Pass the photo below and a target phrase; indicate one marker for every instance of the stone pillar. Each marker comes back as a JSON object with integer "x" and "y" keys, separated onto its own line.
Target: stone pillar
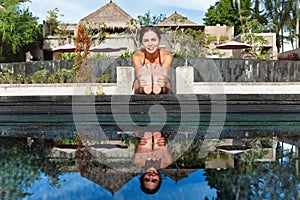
{"x": 184, "y": 80}
{"x": 125, "y": 78}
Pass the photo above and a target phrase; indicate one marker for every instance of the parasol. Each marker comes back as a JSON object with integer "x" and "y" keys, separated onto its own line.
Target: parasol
{"x": 65, "y": 48}
{"x": 103, "y": 47}
{"x": 233, "y": 45}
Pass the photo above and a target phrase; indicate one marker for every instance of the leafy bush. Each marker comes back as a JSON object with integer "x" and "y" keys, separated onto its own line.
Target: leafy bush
{"x": 40, "y": 76}
{"x": 127, "y": 54}
{"x": 104, "y": 78}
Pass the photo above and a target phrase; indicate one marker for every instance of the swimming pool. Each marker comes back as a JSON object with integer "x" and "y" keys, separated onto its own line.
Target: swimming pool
{"x": 248, "y": 167}
{"x": 49, "y": 153}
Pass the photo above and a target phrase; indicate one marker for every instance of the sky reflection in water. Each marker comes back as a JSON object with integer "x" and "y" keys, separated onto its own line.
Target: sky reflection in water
{"x": 78, "y": 187}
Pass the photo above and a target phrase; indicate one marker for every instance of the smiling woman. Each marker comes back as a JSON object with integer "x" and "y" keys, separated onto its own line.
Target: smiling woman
{"x": 152, "y": 65}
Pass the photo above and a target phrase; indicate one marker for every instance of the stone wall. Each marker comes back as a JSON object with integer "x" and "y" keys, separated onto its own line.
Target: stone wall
{"x": 205, "y": 70}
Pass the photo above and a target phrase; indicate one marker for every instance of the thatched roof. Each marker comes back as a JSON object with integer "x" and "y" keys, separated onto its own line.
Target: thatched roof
{"x": 177, "y": 20}
{"x": 110, "y": 14}
{"x": 178, "y": 174}
{"x": 111, "y": 180}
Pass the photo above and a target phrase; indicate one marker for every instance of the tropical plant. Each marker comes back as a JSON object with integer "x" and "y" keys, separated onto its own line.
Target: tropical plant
{"x": 104, "y": 78}
{"x": 251, "y": 30}
{"x": 68, "y": 56}
{"x": 224, "y": 12}
{"x": 147, "y": 19}
{"x": 127, "y": 54}
{"x": 52, "y": 20}
{"x": 82, "y": 43}
{"x": 282, "y": 14}
{"x": 40, "y": 76}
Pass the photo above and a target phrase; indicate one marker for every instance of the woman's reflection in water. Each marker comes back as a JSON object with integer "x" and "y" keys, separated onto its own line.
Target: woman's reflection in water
{"x": 152, "y": 153}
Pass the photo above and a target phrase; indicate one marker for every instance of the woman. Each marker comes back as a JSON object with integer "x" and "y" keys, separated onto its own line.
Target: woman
{"x": 151, "y": 154}
{"x": 152, "y": 65}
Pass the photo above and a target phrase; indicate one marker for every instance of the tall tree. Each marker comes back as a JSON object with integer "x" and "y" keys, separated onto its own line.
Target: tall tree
{"x": 280, "y": 13}
{"x": 52, "y": 20}
{"x": 18, "y": 28}
{"x": 226, "y": 12}
{"x": 221, "y": 13}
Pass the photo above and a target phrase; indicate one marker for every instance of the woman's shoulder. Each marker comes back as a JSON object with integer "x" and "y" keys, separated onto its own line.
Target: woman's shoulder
{"x": 166, "y": 57}
{"x": 165, "y": 53}
{"x": 139, "y": 53}
{"x": 138, "y": 57}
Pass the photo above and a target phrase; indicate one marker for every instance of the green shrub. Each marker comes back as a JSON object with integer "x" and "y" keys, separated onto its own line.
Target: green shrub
{"x": 40, "y": 76}
{"x": 104, "y": 78}
{"x": 127, "y": 54}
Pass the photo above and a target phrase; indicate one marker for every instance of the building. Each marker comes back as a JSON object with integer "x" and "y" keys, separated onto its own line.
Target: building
{"x": 110, "y": 18}
{"x": 113, "y": 22}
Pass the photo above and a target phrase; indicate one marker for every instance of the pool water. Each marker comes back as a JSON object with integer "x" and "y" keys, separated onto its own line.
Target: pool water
{"x": 264, "y": 167}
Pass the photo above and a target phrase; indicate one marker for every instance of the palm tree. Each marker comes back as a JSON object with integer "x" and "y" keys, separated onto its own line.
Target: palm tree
{"x": 279, "y": 13}
{"x": 297, "y": 24}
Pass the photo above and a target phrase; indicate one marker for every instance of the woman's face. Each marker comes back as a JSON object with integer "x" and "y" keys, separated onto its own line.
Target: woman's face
{"x": 151, "y": 178}
{"x": 150, "y": 41}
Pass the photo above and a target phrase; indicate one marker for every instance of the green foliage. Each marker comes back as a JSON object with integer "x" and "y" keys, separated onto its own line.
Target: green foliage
{"x": 228, "y": 12}
{"x": 11, "y": 3}
{"x": 211, "y": 38}
{"x": 68, "y": 56}
{"x": 104, "y": 78}
{"x": 40, "y": 76}
{"x": 7, "y": 77}
{"x": 281, "y": 15}
{"x": 18, "y": 28}
{"x": 222, "y": 13}
{"x": 193, "y": 43}
{"x": 224, "y": 37}
{"x": 127, "y": 54}
{"x": 52, "y": 20}
{"x": 65, "y": 75}
{"x": 147, "y": 19}
{"x": 250, "y": 29}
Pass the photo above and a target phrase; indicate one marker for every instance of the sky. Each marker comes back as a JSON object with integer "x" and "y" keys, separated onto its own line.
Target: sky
{"x": 74, "y": 10}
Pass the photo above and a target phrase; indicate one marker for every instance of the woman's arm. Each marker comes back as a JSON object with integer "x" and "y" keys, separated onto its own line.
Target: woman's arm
{"x": 167, "y": 158}
{"x": 137, "y": 63}
{"x": 167, "y": 59}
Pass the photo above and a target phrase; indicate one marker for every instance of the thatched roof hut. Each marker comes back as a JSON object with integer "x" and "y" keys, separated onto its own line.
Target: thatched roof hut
{"x": 110, "y": 14}
{"x": 177, "y": 20}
